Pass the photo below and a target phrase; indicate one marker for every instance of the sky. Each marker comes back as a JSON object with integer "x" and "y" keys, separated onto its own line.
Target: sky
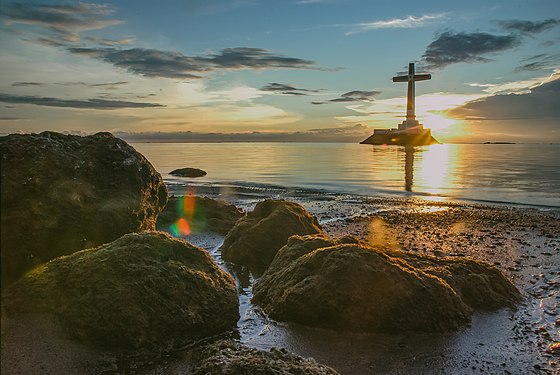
{"x": 291, "y": 70}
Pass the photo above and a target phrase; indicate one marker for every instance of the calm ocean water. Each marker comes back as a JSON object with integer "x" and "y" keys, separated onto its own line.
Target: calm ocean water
{"x": 519, "y": 173}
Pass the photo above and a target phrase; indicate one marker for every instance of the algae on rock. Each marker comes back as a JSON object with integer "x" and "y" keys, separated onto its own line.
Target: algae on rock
{"x": 255, "y": 239}
{"x": 228, "y": 357}
{"x": 64, "y": 193}
{"x": 337, "y": 284}
{"x": 144, "y": 290}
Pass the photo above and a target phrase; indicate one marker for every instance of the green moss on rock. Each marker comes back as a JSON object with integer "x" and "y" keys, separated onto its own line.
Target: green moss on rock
{"x": 228, "y": 357}
{"x": 338, "y": 284}
{"x": 256, "y": 238}
{"x": 143, "y": 290}
{"x": 64, "y": 193}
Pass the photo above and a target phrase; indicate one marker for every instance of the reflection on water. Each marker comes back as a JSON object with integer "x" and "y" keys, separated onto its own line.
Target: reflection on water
{"x": 512, "y": 173}
{"x": 427, "y": 169}
{"x": 408, "y": 168}
{"x": 435, "y": 171}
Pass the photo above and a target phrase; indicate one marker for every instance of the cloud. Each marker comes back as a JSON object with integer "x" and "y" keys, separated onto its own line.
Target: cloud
{"x": 19, "y": 84}
{"x": 398, "y": 23}
{"x": 528, "y": 27}
{"x": 7, "y": 118}
{"x": 106, "y": 42}
{"x": 67, "y": 20}
{"x": 353, "y": 96}
{"x": 280, "y": 88}
{"x": 540, "y": 103}
{"x": 539, "y": 62}
{"x": 167, "y": 64}
{"x": 346, "y": 133}
{"x": 451, "y": 48}
{"x": 74, "y": 103}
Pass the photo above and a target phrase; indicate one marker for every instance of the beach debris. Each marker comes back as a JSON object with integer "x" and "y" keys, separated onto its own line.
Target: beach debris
{"x": 188, "y": 172}
{"x": 255, "y": 239}
{"x": 327, "y": 283}
{"x": 188, "y": 214}
{"x": 228, "y": 357}
{"x": 63, "y": 193}
{"x": 142, "y": 291}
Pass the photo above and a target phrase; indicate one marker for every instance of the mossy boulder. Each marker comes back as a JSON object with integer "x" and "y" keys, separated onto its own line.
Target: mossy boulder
{"x": 256, "y": 238}
{"x": 145, "y": 290}
{"x": 201, "y": 214}
{"x": 228, "y": 357}
{"x": 64, "y": 193}
{"x": 347, "y": 285}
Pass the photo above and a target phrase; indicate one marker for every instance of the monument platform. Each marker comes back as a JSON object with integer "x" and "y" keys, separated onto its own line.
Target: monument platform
{"x": 421, "y": 137}
{"x": 410, "y": 132}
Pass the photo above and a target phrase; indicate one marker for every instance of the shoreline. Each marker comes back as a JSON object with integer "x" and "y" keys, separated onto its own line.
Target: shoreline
{"x": 249, "y": 189}
{"x": 523, "y": 243}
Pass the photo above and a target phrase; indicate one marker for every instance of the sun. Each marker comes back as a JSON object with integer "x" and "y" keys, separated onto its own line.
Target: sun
{"x": 437, "y": 122}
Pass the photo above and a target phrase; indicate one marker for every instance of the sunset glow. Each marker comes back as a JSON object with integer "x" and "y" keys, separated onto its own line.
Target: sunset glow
{"x": 212, "y": 71}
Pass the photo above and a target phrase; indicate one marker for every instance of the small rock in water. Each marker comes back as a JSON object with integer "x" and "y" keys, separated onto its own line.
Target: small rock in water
{"x": 188, "y": 172}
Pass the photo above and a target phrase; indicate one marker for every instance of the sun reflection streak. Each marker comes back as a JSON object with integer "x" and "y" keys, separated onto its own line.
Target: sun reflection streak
{"x": 433, "y": 174}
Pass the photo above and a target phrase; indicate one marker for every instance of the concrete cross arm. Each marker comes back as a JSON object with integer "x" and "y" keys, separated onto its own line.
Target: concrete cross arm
{"x": 417, "y": 77}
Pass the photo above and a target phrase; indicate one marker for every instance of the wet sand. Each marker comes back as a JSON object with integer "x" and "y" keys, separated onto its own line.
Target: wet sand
{"x": 524, "y": 243}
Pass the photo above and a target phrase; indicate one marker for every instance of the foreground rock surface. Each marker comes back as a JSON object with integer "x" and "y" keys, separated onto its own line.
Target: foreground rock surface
{"x": 341, "y": 285}
{"x": 63, "y": 193}
{"x": 228, "y": 357}
{"x": 143, "y": 290}
{"x": 188, "y": 172}
{"x": 255, "y": 239}
{"x": 201, "y": 214}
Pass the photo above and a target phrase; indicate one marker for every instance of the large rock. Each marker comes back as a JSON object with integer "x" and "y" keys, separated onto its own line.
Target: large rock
{"x": 201, "y": 214}
{"x": 145, "y": 290}
{"x": 228, "y": 357}
{"x": 341, "y": 285}
{"x": 255, "y": 239}
{"x": 63, "y": 193}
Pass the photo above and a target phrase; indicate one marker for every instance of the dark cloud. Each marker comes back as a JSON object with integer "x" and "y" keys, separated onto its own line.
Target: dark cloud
{"x": 353, "y": 96}
{"x": 73, "y": 103}
{"x": 148, "y": 62}
{"x": 280, "y": 88}
{"x": 167, "y": 64}
{"x": 12, "y": 118}
{"x": 540, "y": 103}
{"x": 68, "y": 19}
{"x": 16, "y": 84}
{"x": 347, "y": 133}
{"x": 108, "y": 86}
{"x": 451, "y": 48}
{"x": 528, "y": 27}
{"x": 539, "y": 62}
{"x": 254, "y": 58}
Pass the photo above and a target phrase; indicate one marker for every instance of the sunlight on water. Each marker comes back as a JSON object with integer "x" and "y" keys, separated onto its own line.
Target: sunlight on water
{"x": 434, "y": 173}
{"x": 528, "y": 174}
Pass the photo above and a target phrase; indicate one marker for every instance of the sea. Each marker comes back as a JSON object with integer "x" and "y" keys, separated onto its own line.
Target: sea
{"x": 502, "y": 174}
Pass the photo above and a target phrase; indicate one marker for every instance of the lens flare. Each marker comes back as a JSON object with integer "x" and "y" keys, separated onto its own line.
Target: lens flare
{"x": 180, "y": 228}
{"x": 190, "y": 216}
